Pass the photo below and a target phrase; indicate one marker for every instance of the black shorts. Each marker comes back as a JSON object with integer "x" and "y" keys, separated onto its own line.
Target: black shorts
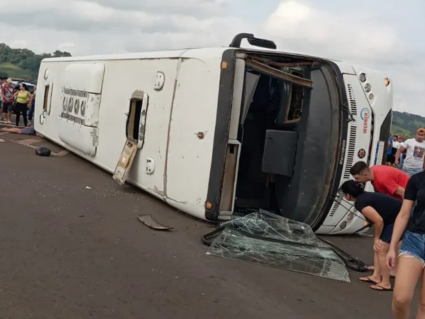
{"x": 7, "y": 107}
{"x": 390, "y": 158}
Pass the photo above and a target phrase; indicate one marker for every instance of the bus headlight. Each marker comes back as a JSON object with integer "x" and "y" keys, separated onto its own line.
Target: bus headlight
{"x": 343, "y": 225}
{"x": 362, "y": 77}
{"x": 387, "y": 81}
{"x": 368, "y": 87}
{"x": 350, "y": 217}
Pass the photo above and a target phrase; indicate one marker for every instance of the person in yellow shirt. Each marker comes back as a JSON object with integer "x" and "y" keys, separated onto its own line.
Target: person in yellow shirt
{"x": 22, "y": 97}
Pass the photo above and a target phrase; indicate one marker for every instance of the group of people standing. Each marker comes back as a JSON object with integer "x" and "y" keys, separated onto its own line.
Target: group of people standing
{"x": 397, "y": 210}
{"x": 18, "y": 100}
{"x": 411, "y": 150}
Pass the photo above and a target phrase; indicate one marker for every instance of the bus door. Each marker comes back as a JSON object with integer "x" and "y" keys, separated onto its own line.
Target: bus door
{"x": 135, "y": 132}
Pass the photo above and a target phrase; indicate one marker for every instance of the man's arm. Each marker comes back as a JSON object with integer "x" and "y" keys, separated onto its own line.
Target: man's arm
{"x": 400, "y": 191}
{"x": 400, "y": 150}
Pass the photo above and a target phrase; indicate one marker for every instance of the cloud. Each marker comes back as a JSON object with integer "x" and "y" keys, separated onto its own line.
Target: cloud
{"x": 356, "y": 37}
{"x": 376, "y": 34}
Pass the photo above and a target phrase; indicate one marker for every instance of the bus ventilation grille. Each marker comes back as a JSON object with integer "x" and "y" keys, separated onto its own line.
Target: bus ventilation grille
{"x": 336, "y": 203}
{"x": 351, "y": 151}
{"x": 348, "y": 163}
{"x": 353, "y": 103}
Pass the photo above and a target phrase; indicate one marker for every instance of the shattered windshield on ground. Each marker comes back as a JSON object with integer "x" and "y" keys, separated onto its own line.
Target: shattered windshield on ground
{"x": 271, "y": 240}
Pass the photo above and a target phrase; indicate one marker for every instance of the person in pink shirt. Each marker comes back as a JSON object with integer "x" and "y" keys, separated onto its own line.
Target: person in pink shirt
{"x": 8, "y": 94}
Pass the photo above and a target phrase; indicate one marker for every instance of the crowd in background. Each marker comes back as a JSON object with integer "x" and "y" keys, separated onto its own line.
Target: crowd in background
{"x": 407, "y": 155}
{"x": 15, "y": 98}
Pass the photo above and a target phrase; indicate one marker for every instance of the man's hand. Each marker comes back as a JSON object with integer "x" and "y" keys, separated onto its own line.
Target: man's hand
{"x": 377, "y": 245}
{"x": 391, "y": 258}
{"x": 397, "y": 162}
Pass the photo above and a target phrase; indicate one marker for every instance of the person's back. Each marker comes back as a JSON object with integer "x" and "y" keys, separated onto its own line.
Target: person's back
{"x": 387, "y": 179}
{"x": 387, "y": 207}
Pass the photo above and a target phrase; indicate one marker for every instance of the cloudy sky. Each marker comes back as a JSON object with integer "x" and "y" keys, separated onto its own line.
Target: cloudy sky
{"x": 382, "y": 34}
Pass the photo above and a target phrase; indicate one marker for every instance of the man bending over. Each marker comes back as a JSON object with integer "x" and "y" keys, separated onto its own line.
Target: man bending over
{"x": 385, "y": 179}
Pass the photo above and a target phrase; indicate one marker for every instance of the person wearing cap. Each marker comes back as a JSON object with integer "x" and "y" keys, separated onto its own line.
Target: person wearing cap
{"x": 415, "y": 149}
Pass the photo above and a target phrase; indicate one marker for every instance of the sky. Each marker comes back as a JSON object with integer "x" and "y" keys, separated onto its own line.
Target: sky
{"x": 385, "y": 35}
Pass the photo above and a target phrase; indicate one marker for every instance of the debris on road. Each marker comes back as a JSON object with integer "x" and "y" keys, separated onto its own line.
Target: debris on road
{"x": 151, "y": 223}
{"x": 2, "y": 141}
{"x": 88, "y": 187}
{"x": 271, "y": 240}
{"x": 42, "y": 151}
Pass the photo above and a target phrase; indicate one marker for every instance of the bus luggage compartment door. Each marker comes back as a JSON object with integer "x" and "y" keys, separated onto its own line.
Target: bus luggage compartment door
{"x": 135, "y": 132}
{"x": 78, "y": 121}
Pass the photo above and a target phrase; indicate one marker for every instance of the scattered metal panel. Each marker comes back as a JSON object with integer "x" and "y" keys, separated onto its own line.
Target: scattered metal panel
{"x": 152, "y": 223}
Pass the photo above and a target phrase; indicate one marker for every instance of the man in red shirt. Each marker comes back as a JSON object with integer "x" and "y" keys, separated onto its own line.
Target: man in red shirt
{"x": 385, "y": 179}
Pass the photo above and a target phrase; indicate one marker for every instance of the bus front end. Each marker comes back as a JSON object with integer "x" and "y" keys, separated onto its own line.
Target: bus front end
{"x": 370, "y": 103}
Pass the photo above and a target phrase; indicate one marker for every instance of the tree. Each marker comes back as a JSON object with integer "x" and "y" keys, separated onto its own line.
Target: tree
{"x": 24, "y": 61}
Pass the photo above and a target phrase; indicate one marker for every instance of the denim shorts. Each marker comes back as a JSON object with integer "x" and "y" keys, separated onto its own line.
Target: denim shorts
{"x": 414, "y": 246}
{"x": 387, "y": 233}
{"x": 412, "y": 171}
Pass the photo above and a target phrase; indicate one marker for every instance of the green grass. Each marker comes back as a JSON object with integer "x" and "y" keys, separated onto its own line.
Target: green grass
{"x": 14, "y": 71}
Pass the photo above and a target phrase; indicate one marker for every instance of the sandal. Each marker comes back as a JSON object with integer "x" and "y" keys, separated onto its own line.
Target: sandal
{"x": 377, "y": 287}
{"x": 368, "y": 280}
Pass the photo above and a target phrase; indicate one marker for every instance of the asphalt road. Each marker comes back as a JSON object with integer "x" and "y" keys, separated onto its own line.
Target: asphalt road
{"x": 70, "y": 252}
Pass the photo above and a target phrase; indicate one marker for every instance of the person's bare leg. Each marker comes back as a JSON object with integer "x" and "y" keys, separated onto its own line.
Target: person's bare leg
{"x": 408, "y": 273}
{"x": 11, "y": 130}
{"x": 376, "y": 276}
{"x": 421, "y": 306}
{"x": 385, "y": 272}
{"x": 9, "y": 117}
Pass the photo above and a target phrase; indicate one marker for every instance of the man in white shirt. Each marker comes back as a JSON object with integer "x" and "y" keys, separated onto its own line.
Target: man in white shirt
{"x": 415, "y": 149}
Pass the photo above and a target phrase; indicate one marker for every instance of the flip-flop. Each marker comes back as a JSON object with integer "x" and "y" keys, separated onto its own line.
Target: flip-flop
{"x": 368, "y": 280}
{"x": 380, "y": 288}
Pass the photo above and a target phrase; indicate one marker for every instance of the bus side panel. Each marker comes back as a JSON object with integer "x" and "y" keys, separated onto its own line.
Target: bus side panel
{"x": 121, "y": 79}
{"x": 191, "y": 135}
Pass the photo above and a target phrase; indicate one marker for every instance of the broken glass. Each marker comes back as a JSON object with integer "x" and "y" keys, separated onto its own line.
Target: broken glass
{"x": 268, "y": 239}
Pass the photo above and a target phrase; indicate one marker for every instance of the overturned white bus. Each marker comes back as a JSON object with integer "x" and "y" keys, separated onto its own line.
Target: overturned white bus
{"x": 222, "y": 131}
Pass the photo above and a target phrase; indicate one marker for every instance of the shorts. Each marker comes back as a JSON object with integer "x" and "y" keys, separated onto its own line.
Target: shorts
{"x": 387, "y": 233}
{"x": 414, "y": 246}
{"x": 390, "y": 158}
{"x": 7, "y": 107}
{"x": 27, "y": 130}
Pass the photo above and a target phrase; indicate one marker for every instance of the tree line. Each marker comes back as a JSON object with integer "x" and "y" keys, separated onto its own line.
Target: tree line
{"x": 25, "y": 59}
